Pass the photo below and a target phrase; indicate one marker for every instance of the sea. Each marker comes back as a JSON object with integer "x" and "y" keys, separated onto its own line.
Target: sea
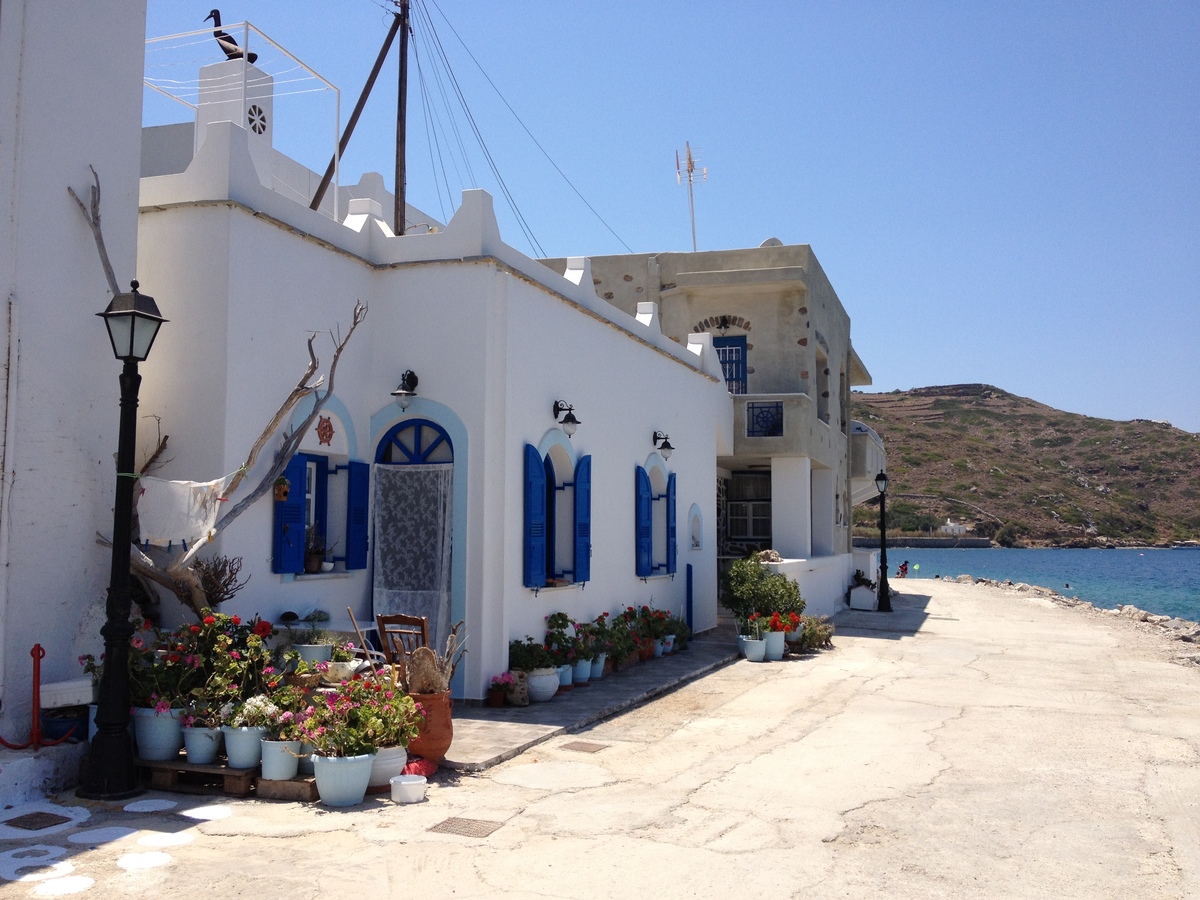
{"x": 1163, "y": 582}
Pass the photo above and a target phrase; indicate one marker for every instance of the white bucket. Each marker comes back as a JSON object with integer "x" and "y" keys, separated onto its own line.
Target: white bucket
{"x": 408, "y": 788}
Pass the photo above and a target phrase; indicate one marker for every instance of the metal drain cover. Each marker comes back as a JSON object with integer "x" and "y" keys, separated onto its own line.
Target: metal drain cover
{"x": 477, "y": 828}
{"x": 36, "y": 821}
{"x": 584, "y": 746}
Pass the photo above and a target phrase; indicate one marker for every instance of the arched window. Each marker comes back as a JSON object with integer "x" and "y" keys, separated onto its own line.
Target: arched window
{"x": 415, "y": 442}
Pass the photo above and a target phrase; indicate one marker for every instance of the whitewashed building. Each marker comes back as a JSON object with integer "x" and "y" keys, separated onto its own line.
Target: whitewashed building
{"x": 244, "y": 271}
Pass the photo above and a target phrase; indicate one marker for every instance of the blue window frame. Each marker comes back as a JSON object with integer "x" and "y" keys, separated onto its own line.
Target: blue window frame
{"x": 540, "y": 560}
{"x": 731, "y": 351}
{"x": 307, "y": 506}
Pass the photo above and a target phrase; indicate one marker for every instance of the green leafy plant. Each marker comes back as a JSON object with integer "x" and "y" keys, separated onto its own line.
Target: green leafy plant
{"x": 359, "y": 717}
{"x": 750, "y": 586}
{"x": 527, "y": 655}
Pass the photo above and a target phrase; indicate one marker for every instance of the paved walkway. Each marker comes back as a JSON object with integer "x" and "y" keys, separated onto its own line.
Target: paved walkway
{"x": 484, "y": 737}
{"x": 975, "y": 743}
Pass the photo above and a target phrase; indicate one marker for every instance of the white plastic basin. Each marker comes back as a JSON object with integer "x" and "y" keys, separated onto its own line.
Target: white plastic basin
{"x": 408, "y": 788}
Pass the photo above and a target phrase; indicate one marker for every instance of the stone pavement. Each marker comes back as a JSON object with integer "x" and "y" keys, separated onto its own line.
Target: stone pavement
{"x": 484, "y": 737}
{"x": 975, "y": 743}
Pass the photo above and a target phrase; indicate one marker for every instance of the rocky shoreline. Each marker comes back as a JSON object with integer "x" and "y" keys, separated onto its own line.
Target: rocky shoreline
{"x": 1169, "y": 627}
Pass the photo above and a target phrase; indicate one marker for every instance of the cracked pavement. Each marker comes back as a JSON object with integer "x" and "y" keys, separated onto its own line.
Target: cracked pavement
{"x": 978, "y": 742}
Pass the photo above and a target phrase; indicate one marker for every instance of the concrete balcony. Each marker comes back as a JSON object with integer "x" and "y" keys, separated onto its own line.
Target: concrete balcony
{"x": 867, "y": 459}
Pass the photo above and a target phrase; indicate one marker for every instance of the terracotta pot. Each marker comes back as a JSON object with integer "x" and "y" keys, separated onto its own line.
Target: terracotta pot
{"x": 281, "y": 492}
{"x": 646, "y": 649}
{"x": 437, "y": 731}
{"x": 496, "y": 697}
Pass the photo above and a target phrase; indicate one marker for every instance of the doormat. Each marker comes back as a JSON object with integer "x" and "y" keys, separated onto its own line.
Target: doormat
{"x": 477, "y": 828}
{"x": 584, "y": 746}
{"x": 36, "y": 821}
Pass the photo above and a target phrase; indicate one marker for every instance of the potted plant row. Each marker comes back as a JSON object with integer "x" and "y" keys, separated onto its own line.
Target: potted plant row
{"x": 578, "y": 653}
{"x": 216, "y": 681}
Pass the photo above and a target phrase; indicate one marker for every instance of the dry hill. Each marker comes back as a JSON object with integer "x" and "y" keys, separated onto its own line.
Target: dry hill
{"x": 991, "y": 459}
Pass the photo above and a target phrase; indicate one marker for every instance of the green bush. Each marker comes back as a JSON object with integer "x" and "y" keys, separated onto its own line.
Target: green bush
{"x": 749, "y": 586}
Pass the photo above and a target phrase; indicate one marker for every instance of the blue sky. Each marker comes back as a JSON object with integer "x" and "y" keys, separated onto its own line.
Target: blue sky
{"x": 999, "y": 192}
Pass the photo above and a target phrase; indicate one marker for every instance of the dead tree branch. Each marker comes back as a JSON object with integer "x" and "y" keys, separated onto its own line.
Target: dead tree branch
{"x": 92, "y": 217}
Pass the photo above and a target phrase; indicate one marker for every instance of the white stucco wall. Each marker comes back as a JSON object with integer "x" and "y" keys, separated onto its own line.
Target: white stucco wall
{"x": 495, "y": 338}
{"x": 68, "y": 100}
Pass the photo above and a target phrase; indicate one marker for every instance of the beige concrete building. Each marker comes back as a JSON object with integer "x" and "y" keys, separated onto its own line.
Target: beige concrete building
{"x": 783, "y": 336}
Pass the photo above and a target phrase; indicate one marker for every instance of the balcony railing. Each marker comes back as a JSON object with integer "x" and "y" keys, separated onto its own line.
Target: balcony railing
{"x": 764, "y": 419}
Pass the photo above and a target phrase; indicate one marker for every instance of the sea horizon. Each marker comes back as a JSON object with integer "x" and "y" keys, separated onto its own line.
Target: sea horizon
{"x": 1162, "y": 581}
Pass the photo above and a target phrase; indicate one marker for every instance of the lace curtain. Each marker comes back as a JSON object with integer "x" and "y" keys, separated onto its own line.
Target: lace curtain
{"x": 412, "y": 544}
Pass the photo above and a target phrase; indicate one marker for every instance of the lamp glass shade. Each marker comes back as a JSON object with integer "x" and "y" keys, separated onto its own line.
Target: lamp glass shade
{"x": 132, "y": 321}
{"x": 570, "y": 423}
{"x": 881, "y": 482}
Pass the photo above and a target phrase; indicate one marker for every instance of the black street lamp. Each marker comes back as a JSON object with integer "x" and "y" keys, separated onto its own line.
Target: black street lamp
{"x": 885, "y": 597}
{"x": 133, "y": 321}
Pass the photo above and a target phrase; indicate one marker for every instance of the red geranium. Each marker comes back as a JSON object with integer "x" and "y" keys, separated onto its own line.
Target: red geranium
{"x": 210, "y": 620}
{"x": 262, "y": 628}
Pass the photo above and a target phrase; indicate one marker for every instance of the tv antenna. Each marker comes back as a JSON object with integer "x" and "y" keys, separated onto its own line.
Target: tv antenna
{"x": 691, "y": 178}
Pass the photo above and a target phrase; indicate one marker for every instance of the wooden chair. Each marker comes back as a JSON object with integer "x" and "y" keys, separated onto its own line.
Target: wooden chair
{"x": 400, "y": 635}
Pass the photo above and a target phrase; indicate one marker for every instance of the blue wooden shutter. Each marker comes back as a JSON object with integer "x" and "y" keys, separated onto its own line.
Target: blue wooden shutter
{"x": 357, "y": 493}
{"x": 583, "y": 520}
{"x": 535, "y": 519}
{"x": 288, "y": 540}
{"x": 551, "y": 521}
{"x": 643, "y": 531}
{"x": 671, "y": 531}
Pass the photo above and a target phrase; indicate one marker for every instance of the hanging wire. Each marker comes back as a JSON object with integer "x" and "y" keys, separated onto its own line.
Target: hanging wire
{"x": 441, "y": 56}
{"x": 523, "y": 125}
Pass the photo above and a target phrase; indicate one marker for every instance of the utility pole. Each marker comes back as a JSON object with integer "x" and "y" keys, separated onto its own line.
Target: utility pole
{"x": 401, "y": 112}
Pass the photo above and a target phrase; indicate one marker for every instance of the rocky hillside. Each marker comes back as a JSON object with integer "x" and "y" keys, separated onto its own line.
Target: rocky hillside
{"x": 1027, "y": 473}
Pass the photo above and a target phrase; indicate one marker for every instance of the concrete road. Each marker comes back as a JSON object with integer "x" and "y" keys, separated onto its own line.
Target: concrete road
{"x": 976, "y": 743}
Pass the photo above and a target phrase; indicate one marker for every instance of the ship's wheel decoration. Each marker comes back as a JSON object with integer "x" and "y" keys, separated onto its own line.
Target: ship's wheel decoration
{"x": 324, "y": 430}
{"x": 257, "y": 119}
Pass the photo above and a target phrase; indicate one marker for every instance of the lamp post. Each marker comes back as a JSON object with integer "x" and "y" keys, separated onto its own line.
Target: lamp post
{"x": 133, "y": 321}
{"x": 885, "y": 598}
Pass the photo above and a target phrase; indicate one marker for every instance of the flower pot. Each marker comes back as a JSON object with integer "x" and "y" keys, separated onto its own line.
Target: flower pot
{"x": 583, "y": 671}
{"x": 495, "y": 697}
{"x": 389, "y": 762}
{"x": 658, "y": 647}
{"x": 598, "y": 666}
{"x": 92, "y": 710}
{"x": 312, "y": 562}
{"x": 202, "y": 744}
{"x": 280, "y": 760}
{"x": 159, "y": 735}
{"x": 342, "y": 780}
{"x": 646, "y": 650}
{"x": 741, "y": 644}
{"x": 408, "y": 788}
{"x": 314, "y": 653}
{"x": 669, "y": 644}
{"x": 775, "y": 645}
{"x": 341, "y": 671}
{"x": 304, "y": 765}
{"x": 755, "y": 651}
{"x": 543, "y": 684}
{"x": 518, "y": 691}
{"x": 437, "y": 730}
{"x": 281, "y": 492}
{"x": 566, "y": 677}
{"x": 243, "y": 745}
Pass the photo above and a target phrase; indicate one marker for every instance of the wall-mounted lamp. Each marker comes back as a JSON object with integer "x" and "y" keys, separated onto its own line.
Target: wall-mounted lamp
{"x": 662, "y": 444}
{"x": 568, "y": 422}
{"x": 407, "y": 389}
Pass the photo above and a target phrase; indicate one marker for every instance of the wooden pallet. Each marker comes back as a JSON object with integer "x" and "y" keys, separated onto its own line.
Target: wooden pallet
{"x": 302, "y": 790}
{"x": 184, "y": 777}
